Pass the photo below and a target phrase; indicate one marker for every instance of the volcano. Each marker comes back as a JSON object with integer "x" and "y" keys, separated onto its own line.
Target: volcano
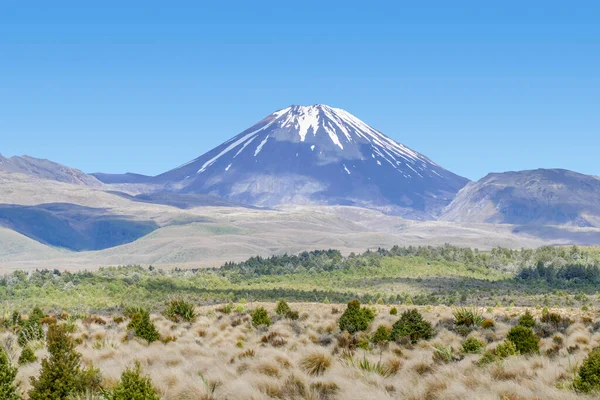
{"x": 318, "y": 155}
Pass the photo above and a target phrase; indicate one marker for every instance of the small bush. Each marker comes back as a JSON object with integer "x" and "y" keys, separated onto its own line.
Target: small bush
{"x": 524, "y": 339}
{"x": 27, "y": 356}
{"x": 472, "y": 346}
{"x": 260, "y": 316}
{"x": 316, "y": 363}
{"x": 588, "y": 376}
{"x": 282, "y": 308}
{"x": 393, "y": 311}
{"x": 443, "y": 354}
{"x": 506, "y": 349}
{"x": 467, "y": 317}
{"x": 142, "y": 326}
{"x": 527, "y": 320}
{"x": 412, "y": 325}
{"x": 8, "y": 387}
{"x": 293, "y": 315}
{"x": 134, "y": 386}
{"x": 180, "y": 310}
{"x": 355, "y": 318}
{"x": 382, "y": 334}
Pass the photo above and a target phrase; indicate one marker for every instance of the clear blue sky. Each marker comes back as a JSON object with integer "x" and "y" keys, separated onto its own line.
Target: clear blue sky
{"x": 146, "y": 86}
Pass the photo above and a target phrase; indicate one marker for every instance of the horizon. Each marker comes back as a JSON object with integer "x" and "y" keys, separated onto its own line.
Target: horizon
{"x": 477, "y": 90}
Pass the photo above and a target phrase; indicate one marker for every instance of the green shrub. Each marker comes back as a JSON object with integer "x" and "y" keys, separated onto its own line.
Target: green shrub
{"x": 506, "y": 349}
{"x": 8, "y": 387}
{"x": 61, "y": 372}
{"x": 487, "y": 358}
{"x": 588, "y": 376}
{"x": 31, "y": 330}
{"x": 412, "y": 325}
{"x": 282, "y": 308}
{"x": 260, "y": 316}
{"x": 524, "y": 339}
{"x": 393, "y": 311}
{"x": 134, "y": 386}
{"x": 472, "y": 346}
{"x": 527, "y": 320}
{"x": 467, "y": 317}
{"x": 142, "y": 326}
{"x": 356, "y": 318}
{"x": 15, "y": 320}
{"x": 442, "y": 353}
{"x": 27, "y": 356}
{"x": 382, "y": 334}
{"x": 293, "y": 315}
{"x": 180, "y": 310}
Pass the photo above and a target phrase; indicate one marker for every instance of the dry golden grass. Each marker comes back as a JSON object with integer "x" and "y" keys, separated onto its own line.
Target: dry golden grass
{"x": 222, "y": 356}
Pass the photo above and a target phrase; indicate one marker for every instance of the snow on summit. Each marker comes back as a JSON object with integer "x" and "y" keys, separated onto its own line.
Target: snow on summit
{"x": 318, "y": 154}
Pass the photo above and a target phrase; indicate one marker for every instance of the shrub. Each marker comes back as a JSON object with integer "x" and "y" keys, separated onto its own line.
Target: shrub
{"x": 524, "y": 339}
{"x": 142, "y": 326}
{"x": 382, "y": 334}
{"x": 180, "y": 310}
{"x": 27, "y": 356}
{"x": 260, "y": 316}
{"x": 316, "y": 363}
{"x": 412, "y": 325}
{"x": 488, "y": 324}
{"x": 443, "y": 353}
{"x": 588, "y": 378}
{"x": 31, "y": 330}
{"x": 134, "y": 386}
{"x": 60, "y": 373}
{"x": 527, "y": 320}
{"x": 472, "y": 346}
{"x": 293, "y": 315}
{"x": 8, "y": 387}
{"x": 506, "y": 349}
{"x": 393, "y": 311}
{"x": 467, "y": 317}
{"x": 355, "y": 318}
{"x": 282, "y": 308}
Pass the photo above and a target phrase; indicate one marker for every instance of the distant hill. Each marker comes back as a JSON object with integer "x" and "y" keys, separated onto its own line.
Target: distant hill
{"x": 127, "y": 177}
{"x": 536, "y": 197}
{"x": 46, "y": 169}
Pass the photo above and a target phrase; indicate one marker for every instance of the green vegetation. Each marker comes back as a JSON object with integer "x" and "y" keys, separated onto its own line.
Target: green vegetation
{"x": 260, "y": 316}
{"x": 61, "y": 373}
{"x": 355, "y": 318}
{"x": 27, "y": 356}
{"x": 524, "y": 340}
{"x": 134, "y": 386}
{"x": 142, "y": 327}
{"x": 472, "y": 346}
{"x": 8, "y": 387}
{"x": 527, "y": 320}
{"x": 382, "y": 335}
{"x": 467, "y": 317}
{"x": 588, "y": 376}
{"x": 411, "y": 325}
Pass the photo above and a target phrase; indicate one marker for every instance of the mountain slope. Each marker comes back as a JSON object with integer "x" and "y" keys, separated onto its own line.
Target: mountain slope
{"x": 537, "y": 197}
{"x": 318, "y": 155}
{"x": 46, "y": 169}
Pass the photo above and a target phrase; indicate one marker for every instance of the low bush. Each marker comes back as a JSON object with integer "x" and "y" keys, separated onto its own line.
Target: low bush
{"x": 588, "y": 376}
{"x": 524, "y": 340}
{"x": 382, "y": 334}
{"x": 506, "y": 349}
{"x": 393, "y": 311}
{"x": 411, "y": 325}
{"x": 527, "y": 320}
{"x": 260, "y": 316}
{"x": 142, "y": 326}
{"x": 27, "y": 356}
{"x": 488, "y": 324}
{"x": 355, "y": 318}
{"x": 134, "y": 386}
{"x": 472, "y": 346}
{"x": 282, "y": 308}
